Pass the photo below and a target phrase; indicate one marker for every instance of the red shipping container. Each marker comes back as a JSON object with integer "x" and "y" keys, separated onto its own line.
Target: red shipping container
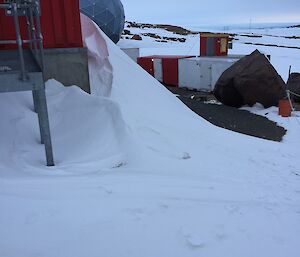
{"x": 214, "y": 44}
{"x": 168, "y": 67}
{"x": 60, "y": 21}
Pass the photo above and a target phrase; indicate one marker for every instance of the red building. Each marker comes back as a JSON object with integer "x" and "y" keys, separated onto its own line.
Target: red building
{"x": 60, "y": 21}
{"x": 214, "y": 44}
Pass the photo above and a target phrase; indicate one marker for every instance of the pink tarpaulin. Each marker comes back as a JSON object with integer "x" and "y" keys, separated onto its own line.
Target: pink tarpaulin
{"x": 100, "y": 69}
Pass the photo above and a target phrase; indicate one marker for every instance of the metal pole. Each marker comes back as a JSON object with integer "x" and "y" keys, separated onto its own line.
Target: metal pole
{"x": 7, "y": 42}
{"x": 40, "y": 36}
{"x": 19, "y": 41}
{"x": 33, "y": 31}
{"x": 8, "y": 5}
{"x": 5, "y": 6}
{"x": 15, "y": 42}
{"x": 28, "y": 29}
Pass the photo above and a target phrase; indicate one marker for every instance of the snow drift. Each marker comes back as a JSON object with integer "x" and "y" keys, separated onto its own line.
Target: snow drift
{"x": 87, "y": 132}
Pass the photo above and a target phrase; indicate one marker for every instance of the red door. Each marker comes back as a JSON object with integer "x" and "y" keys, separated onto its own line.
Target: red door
{"x": 170, "y": 71}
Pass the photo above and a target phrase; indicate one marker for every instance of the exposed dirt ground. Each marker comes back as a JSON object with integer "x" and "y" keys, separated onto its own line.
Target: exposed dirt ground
{"x": 234, "y": 119}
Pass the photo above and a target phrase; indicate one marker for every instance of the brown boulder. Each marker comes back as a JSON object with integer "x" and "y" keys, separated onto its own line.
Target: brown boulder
{"x": 250, "y": 80}
{"x": 293, "y": 85}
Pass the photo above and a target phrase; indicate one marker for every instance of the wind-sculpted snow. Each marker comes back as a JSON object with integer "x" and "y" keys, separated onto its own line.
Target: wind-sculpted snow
{"x": 88, "y": 133}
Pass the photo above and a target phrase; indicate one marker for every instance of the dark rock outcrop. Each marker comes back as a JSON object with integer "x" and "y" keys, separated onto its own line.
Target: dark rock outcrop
{"x": 250, "y": 80}
{"x": 136, "y": 37}
{"x": 293, "y": 85}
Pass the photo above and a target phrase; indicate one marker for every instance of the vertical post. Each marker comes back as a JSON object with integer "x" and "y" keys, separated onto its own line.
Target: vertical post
{"x": 28, "y": 29}
{"x": 39, "y": 35}
{"x": 37, "y": 106}
{"x": 44, "y": 125}
{"x": 41, "y": 94}
{"x": 19, "y": 41}
{"x": 33, "y": 31}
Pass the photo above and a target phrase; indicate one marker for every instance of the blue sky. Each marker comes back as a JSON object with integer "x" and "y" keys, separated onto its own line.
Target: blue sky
{"x": 194, "y": 12}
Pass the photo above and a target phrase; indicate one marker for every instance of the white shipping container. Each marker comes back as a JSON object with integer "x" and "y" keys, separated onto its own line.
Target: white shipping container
{"x": 202, "y": 73}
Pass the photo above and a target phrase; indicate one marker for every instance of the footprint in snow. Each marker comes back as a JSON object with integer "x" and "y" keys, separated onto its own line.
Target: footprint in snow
{"x": 136, "y": 213}
{"x": 119, "y": 164}
{"x": 186, "y": 156}
{"x": 193, "y": 240}
{"x": 163, "y": 205}
{"x": 106, "y": 190}
{"x": 221, "y": 236}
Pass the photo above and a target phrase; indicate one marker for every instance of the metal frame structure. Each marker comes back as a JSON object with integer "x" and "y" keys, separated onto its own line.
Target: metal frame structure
{"x": 22, "y": 69}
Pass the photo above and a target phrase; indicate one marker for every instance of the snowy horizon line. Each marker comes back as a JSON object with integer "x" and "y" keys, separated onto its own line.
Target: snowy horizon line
{"x": 253, "y": 25}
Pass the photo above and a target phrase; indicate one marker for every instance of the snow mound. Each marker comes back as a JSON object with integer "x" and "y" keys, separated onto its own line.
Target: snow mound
{"x": 88, "y": 132}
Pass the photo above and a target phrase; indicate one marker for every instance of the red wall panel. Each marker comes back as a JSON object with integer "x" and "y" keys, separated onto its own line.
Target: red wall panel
{"x": 217, "y": 46}
{"x": 170, "y": 71}
{"x": 60, "y": 20}
{"x": 203, "y": 44}
{"x": 147, "y": 64}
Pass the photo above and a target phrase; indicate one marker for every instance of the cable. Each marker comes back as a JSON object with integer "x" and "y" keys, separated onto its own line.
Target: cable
{"x": 288, "y": 92}
{"x": 293, "y": 93}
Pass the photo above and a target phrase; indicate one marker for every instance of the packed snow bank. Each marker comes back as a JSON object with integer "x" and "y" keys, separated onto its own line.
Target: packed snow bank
{"x": 88, "y": 133}
{"x": 164, "y": 182}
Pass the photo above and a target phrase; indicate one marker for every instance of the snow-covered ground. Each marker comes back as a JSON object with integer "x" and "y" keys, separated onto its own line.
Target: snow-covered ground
{"x": 139, "y": 174}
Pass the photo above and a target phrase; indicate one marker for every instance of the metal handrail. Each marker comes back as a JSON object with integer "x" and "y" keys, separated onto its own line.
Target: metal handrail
{"x": 14, "y": 42}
